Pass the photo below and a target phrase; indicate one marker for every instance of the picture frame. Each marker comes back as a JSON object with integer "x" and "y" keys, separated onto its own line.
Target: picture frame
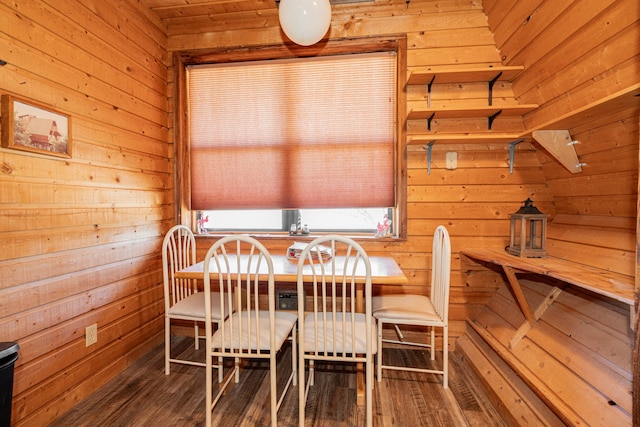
{"x": 33, "y": 127}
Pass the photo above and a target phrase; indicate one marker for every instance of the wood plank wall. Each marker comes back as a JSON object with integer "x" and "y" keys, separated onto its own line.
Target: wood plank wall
{"x": 573, "y": 57}
{"x": 474, "y": 200}
{"x": 80, "y": 237}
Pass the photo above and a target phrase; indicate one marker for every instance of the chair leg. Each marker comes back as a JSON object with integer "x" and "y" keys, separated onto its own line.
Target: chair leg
{"x": 196, "y": 332}
{"x": 369, "y": 390}
{"x": 445, "y": 358}
{"x": 302, "y": 396}
{"x": 208, "y": 391}
{"x": 274, "y": 394}
{"x": 379, "y": 356}
{"x": 167, "y": 345}
{"x": 294, "y": 357}
{"x": 433, "y": 343}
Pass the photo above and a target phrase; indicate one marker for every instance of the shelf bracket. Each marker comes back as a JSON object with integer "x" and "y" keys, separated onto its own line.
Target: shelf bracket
{"x": 493, "y": 117}
{"x": 512, "y": 153}
{"x": 429, "y": 86}
{"x": 429, "y": 148}
{"x": 429, "y": 121}
{"x": 491, "y": 83}
{"x": 559, "y": 144}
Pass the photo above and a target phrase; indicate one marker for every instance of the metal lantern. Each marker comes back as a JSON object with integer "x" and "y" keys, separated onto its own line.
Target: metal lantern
{"x": 528, "y": 232}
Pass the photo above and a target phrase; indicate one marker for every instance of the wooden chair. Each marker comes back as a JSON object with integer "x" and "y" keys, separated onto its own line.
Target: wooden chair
{"x": 181, "y": 297}
{"x": 241, "y": 266}
{"x": 335, "y": 328}
{"x": 420, "y": 310}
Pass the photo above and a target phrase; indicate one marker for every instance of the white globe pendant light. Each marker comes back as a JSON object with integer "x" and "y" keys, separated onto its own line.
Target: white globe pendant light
{"x": 305, "y": 22}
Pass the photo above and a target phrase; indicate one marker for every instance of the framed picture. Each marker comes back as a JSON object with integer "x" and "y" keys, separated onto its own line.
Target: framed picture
{"x": 28, "y": 126}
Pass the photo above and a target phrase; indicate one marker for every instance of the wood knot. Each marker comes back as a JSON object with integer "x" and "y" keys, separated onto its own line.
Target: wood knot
{"x": 6, "y": 168}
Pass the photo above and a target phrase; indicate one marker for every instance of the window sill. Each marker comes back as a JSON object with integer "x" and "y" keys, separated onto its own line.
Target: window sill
{"x": 299, "y": 237}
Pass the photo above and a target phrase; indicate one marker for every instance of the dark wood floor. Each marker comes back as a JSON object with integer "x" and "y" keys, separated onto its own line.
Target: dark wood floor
{"x": 144, "y": 396}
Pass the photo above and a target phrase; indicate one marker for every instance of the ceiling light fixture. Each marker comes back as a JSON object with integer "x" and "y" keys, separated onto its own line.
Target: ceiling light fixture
{"x": 305, "y": 22}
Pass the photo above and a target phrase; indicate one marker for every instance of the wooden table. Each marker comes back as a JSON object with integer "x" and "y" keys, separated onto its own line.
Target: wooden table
{"x": 384, "y": 271}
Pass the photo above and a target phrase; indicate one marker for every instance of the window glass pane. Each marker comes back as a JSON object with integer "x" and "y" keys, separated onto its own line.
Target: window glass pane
{"x": 244, "y": 220}
{"x": 361, "y": 220}
{"x": 364, "y": 219}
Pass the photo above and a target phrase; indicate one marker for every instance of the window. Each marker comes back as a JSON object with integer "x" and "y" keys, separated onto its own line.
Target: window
{"x": 361, "y": 220}
{"x": 269, "y": 140}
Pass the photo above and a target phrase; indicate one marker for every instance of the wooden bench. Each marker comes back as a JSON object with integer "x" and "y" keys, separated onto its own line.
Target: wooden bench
{"x": 602, "y": 282}
{"x": 605, "y": 283}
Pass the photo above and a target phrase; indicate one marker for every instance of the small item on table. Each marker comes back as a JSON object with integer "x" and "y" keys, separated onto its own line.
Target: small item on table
{"x": 293, "y": 252}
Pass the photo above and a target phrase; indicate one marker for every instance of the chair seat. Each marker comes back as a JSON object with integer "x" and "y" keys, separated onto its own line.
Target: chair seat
{"x": 285, "y": 322}
{"x": 404, "y": 308}
{"x": 360, "y": 331}
{"x": 193, "y": 307}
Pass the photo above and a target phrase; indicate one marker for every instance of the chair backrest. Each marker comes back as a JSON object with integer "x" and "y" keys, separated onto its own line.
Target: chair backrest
{"x": 242, "y": 266}
{"x": 178, "y": 252}
{"x": 335, "y": 269}
{"x": 441, "y": 272}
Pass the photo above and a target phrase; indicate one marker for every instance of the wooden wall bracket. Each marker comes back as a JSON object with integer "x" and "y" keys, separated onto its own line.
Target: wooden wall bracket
{"x": 491, "y": 83}
{"x": 429, "y": 86}
{"x": 429, "y": 121}
{"x": 492, "y": 117}
{"x": 560, "y": 145}
{"x": 510, "y": 272}
{"x": 537, "y": 314}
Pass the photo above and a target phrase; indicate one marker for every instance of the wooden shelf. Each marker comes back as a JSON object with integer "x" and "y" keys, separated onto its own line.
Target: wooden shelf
{"x": 467, "y": 138}
{"x": 602, "y": 282}
{"x": 434, "y": 75}
{"x": 469, "y": 112}
{"x": 431, "y": 75}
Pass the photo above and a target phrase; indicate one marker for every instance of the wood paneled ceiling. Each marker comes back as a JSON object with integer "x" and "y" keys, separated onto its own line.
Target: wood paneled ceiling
{"x": 174, "y": 12}
{"x": 169, "y": 10}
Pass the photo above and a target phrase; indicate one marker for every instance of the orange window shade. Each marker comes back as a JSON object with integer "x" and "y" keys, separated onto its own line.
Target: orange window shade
{"x": 298, "y": 133}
